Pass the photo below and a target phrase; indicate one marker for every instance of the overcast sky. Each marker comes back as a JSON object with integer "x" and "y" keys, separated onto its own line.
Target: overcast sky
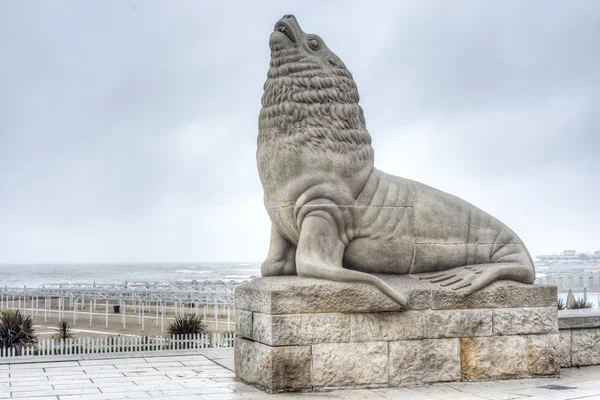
{"x": 128, "y": 129}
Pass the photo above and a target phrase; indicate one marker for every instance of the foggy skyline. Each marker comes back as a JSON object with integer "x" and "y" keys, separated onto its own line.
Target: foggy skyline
{"x": 128, "y": 130}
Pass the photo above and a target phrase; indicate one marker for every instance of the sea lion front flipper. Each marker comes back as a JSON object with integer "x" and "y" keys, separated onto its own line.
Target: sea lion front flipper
{"x": 320, "y": 252}
{"x": 474, "y": 277}
{"x": 282, "y": 256}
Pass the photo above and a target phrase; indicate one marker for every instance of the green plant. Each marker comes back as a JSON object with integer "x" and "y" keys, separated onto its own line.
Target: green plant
{"x": 63, "y": 330}
{"x": 16, "y": 330}
{"x": 579, "y": 304}
{"x": 187, "y": 325}
{"x": 561, "y": 304}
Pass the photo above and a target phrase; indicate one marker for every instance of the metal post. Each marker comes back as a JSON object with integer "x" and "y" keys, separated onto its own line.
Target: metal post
{"x": 216, "y": 316}
{"x": 74, "y": 311}
{"x": 106, "y": 316}
{"x": 162, "y": 318}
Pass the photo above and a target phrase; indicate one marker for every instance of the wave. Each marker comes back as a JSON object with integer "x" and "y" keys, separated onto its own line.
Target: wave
{"x": 188, "y": 271}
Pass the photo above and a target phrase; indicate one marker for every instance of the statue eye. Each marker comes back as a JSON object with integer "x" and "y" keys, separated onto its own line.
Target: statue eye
{"x": 313, "y": 43}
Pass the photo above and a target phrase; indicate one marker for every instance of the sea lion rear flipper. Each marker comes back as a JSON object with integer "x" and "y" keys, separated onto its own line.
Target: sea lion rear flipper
{"x": 320, "y": 252}
{"x": 474, "y": 277}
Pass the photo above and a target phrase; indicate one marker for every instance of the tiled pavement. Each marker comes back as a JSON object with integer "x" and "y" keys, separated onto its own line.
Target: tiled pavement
{"x": 208, "y": 375}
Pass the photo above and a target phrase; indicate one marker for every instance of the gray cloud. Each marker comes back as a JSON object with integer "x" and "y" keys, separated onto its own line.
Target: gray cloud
{"x": 128, "y": 130}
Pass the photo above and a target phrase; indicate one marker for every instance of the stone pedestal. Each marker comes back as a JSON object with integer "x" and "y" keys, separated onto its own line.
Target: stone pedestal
{"x": 305, "y": 334}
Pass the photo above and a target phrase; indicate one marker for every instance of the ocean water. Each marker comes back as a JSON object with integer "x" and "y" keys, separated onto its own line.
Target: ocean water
{"x": 32, "y": 275}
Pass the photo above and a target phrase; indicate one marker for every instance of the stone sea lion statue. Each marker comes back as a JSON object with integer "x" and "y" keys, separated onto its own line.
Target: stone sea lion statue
{"x": 334, "y": 216}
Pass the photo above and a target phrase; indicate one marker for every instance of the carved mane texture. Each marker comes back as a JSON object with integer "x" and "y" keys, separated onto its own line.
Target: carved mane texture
{"x": 312, "y": 104}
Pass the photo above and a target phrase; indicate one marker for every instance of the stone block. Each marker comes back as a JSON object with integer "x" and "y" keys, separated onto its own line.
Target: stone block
{"x": 350, "y": 364}
{"x": 301, "y": 329}
{"x": 273, "y": 369}
{"x": 457, "y": 323}
{"x": 502, "y": 294}
{"x": 496, "y": 357}
{"x": 578, "y": 320}
{"x": 543, "y": 354}
{"x": 297, "y": 295}
{"x": 370, "y": 327}
{"x": 585, "y": 347}
{"x": 243, "y": 323}
{"x": 564, "y": 348}
{"x": 525, "y": 321}
{"x": 424, "y": 361}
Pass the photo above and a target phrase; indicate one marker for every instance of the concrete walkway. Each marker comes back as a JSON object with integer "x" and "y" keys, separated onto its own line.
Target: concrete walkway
{"x": 209, "y": 375}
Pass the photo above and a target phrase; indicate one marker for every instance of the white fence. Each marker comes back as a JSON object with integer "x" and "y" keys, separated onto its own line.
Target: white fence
{"x": 120, "y": 344}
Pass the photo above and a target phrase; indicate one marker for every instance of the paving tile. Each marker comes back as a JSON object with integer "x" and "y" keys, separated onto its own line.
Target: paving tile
{"x": 145, "y": 387}
{"x": 108, "y": 396}
{"x": 56, "y": 372}
{"x": 155, "y": 364}
{"x": 32, "y": 387}
{"x": 27, "y": 372}
{"x": 49, "y": 397}
{"x": 199, "y": 391}
{"x": 60, "y": 393}
{"x": 89, "y": 384}
{"x": 111, "y": 361}
{"x": 54, "y": 364}
{"x": 175, "y": 358}
{"x": 4, "y": 367}
{"x": 248, "y": 396}
{"x": 24, "y": 380}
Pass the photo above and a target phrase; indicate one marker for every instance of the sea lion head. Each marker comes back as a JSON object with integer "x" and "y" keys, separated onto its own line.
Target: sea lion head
{"x": 310, "y": 98}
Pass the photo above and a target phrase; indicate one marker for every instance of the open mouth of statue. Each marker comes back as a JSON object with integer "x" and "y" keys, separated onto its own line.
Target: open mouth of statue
{"x": 286, "y": 30}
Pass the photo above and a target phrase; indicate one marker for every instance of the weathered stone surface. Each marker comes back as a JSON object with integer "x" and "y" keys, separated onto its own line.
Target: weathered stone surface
{"x": 243, "y": 323}
{"x": 423, "y": 361}
{"x": 350, "y": 364}
{"x": 578, "y": 320}
{"x": 585, "y": 347}
{"x": 496, "y": 357}
{"x": 299, "y": 329}
{"x": 297, "y": 295}
{"x": 370, "y": 327}
{"x": 273, "y": 368}
{"x": 564, "y": 348}
{"x": 457, "y": 323}
{"x": 525, "y": 321}
{"x": 543, "y": 354}
{"x": 503, "y": 294}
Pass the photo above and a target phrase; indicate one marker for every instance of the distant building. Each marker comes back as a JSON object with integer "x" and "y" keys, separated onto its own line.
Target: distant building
{"x": 571, "y": 257}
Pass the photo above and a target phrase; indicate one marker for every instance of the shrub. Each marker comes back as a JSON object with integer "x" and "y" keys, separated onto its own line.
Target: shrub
{"x": 561, "y": 304}
{"x": 579, "y": 304}
{"x": 16, "y": 330}
{"x": 187, "y": 325}
{"x": 63, "y": 331}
